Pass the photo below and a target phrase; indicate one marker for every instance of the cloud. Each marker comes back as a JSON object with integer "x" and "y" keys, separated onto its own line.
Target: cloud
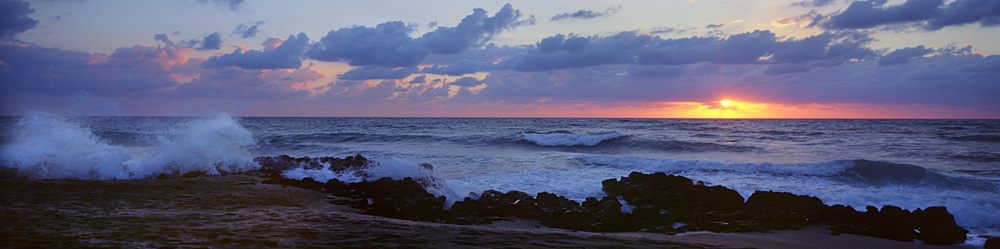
{"x": 377, "y": 72}
{"x": 162, "y": 37}
{"x": 211, "y": 42}
{"x": 903, "y": 55}
{"x": 288, "y": 55}
{"x": 586, "y": 14}
{"x": 473, "y": 31}
{"x": 756, "y": 47}
{"x": 460, "y": 68}
{"x": 248, "y": 30}
{"x": 231, "y": 4}
{"x": 57, "y": 72}
{"x": 389, "y": 45}
{"x": 14, "y": 18}
{"x": 467, "y": 82}
{"x": 715, "y": 26}
{"x": 813, "y": 3}
{"x": 928, "y": 15}
{"x": 272, "y": 42}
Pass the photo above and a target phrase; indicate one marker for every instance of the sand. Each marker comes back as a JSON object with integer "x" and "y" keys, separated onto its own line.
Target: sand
{"x": 239, "y": 211}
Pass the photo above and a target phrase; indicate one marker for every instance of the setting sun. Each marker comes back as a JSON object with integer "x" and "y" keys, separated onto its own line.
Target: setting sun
{"x": 724, "y": 102}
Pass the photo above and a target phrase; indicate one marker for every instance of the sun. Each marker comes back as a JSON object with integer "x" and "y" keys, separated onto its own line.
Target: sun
{"x": 725, "y": 102}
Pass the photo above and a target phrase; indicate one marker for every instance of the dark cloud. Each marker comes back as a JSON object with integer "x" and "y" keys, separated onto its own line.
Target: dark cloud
{"x": 786, "y": 68}
{"x": 926, "y": 14}
{"x": 162, "y": 37}
{"x": 834, "y": 48}
{"x": 756, "y": 47}
{"x": 14, "y": 18}
{"x": 657, "y": 71}
{"x": 389, "y": 44}
{"x": 56, "y": 72}
{"x": 248, "y": 30}
{"x": 473, "y": 31}
{"x": 813, "y": 3}
{"x": 231, "y": 4}
{"x": 586, "y": 14}
{"x": 460, "y": 68}
{"x": 467, "y": 82}
{"x": 903, "y": 55}
{"x": 560, "y": 51}
{"x": 233, "y": 83}
{"x": 288, "y": 55}
{"x": 211, "y": 42}
{"x": 377, "y": 72}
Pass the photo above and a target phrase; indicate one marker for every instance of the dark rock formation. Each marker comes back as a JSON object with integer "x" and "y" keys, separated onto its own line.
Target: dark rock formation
{"x": 937, "y": 227}
{"x": 992, "y": 243}
{"x": 654, "y": 203}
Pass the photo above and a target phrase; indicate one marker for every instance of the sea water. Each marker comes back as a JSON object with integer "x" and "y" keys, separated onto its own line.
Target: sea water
{"x": 906, "y": 163}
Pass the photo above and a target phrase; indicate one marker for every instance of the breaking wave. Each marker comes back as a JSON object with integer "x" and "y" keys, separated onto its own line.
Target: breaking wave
{"x": 569, "y": 139}
{"x": 44, "y": 145}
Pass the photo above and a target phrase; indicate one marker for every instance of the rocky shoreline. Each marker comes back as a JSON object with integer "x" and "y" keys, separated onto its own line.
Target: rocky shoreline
{"x": 263, "y": 209}
{"x": 655, "y": 202}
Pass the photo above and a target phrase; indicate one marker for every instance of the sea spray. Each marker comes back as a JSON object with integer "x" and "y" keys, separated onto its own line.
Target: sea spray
{"x": 45, "y": 145}
{"x": 377, "y": 168}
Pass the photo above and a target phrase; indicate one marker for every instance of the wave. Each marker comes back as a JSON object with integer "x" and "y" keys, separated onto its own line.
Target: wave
{"x": 391, "y": 167}
{"x": 44, "y": 145}
{"x": 978, "y": 138}
{"x": 569, "y": 139}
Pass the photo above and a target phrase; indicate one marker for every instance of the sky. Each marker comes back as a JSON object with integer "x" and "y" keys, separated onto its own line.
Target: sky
{"x": 561, "y": 58}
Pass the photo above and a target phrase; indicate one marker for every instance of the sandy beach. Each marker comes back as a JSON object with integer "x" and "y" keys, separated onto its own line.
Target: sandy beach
{"x": 239, "y": 211}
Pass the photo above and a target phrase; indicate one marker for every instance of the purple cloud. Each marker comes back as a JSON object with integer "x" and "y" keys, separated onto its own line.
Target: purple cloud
{"x": 248, "y": 30}
{"x": 389, "y": 44}
{"x": 231, "y": 4}
{"x": 211, "y": 42}
{"x": 473, "y": 31}
{"x": 903, "y": 55}
{"x": 377, "y": 72}
{"x": 586, "y": 14}
{"x": 287, "y": 55}
{"x": 927, "y": 14}
{"x": 14, "y": 18}
{"x": 813, "y": 3}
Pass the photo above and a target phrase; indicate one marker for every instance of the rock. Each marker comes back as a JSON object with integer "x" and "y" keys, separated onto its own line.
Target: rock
{"x": 937, "y": 227}
{"x": 676, "y": 194}
{"x": 992, "y": 243}
{"x": 890, "y": 222}
{"x": 560, "y": 212}
{"x": 493, "y": 203}
{"x": 402, "y": 199}
{"x": 193, "y": 174}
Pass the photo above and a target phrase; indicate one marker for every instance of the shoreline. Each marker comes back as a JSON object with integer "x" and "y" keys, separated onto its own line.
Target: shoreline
{"x": 238, "y": 210}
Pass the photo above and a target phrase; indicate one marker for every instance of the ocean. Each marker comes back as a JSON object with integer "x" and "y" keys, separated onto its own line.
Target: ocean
{"x": 906, "y": 163}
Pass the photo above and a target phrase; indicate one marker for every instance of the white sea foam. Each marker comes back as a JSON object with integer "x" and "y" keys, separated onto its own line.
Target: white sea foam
{"x": 568, "y": 139}
{"x": 45, "y": 145}
{"x": 377, "y": 168}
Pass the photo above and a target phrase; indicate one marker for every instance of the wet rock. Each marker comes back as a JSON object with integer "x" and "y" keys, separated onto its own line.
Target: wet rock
{"x": 677, "y": 195}
{"x": 890, "y": 222}
{"x": 782, "y": 210}
{"x": 560, "y": 212}
{"x": 992, "y": 243}
{"x": 402, "y": 199}
{"x": 493, "y": 203}
{"x": 937, "y": 227}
